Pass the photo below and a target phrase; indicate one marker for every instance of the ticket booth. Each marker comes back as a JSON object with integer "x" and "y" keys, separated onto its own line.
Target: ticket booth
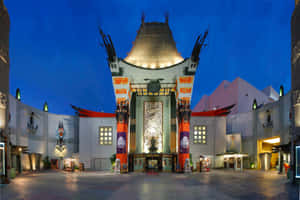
{"x": 2, "y": 159}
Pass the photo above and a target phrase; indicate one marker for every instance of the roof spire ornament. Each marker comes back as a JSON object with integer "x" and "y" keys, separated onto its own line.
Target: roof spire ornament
{"x": 198, "y": 46}
{"x": 109, "y": 46}
{"x": 166, "y": 17}
{"x": 143, "y": 18}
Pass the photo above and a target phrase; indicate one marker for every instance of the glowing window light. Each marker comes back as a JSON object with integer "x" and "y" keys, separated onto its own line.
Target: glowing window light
{"x": 235, "y": 155}
{"x": 272, "y": 140}
{"x": 104, "y": 132}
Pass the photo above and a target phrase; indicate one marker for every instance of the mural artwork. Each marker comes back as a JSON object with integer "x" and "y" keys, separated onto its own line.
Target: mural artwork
{"x": 153, "y": 125}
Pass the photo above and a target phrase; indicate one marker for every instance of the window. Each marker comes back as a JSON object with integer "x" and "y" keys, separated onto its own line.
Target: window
{"x": 105, "y": 135}
{"x": 200, "y": 135}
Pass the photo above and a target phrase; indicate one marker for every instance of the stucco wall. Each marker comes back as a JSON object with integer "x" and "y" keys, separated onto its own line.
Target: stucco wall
{"x": 89, "y": 147}
{"x": 216, "y": 137}
{"x": 43, "y": 140}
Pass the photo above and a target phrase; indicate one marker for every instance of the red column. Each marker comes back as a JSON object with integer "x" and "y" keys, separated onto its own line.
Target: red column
{"x": 122, "y": 116}
{"x": 184, "y": 114}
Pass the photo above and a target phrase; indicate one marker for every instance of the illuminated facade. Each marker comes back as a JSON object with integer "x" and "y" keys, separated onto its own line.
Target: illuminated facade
{"x": 153, "y": 88}
{"x": 153, "y": 126}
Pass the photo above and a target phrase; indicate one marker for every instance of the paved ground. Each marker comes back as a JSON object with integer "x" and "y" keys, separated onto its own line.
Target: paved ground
{"x": 217, "y": 184}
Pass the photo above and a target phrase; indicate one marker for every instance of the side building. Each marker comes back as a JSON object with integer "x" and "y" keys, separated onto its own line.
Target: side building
{"x": 4, "y": 91}
{"x": 36, "y": 135}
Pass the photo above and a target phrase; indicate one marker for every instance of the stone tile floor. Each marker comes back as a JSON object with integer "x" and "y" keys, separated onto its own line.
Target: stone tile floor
{"x": 217, "y": 184}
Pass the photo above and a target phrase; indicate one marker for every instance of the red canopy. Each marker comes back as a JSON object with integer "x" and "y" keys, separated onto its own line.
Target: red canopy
{"x": 88, "y": 113}
{"x": 211, "y": 113}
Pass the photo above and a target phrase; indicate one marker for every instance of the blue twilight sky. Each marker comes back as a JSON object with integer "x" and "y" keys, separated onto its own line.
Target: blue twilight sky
{"x": 55, "y": 54}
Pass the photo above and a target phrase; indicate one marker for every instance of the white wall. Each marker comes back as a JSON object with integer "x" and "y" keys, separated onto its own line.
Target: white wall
{"x": 89, "y": 147}
{"x": 42, "y": 141}
{"x": 216, "y": 137}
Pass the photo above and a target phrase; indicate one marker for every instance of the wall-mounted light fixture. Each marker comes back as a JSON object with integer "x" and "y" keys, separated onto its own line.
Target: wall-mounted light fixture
{"x": 281, "y": 91}
{"x": 18, "y": 94}
{"x": 45, "y": 107}
{"x": 254, "y": 105}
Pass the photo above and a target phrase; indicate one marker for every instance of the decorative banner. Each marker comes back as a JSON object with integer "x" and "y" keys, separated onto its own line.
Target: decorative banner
{"x": 184, "y": 142}
{"x": 121, "y": 142}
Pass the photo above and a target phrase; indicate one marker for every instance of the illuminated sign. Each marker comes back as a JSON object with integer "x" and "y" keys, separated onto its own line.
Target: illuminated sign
{"x": 297, "y": 161}
{"x": 2, "y": 158}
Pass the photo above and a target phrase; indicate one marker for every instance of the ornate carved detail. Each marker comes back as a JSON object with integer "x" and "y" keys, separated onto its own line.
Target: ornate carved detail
{"x": 31, "y": 126}
{"x": 122, "y": 112}
{"x": 60, "y": 137}
{"x": 296, "y": 97}
{"x": 3, "y": 100}
{"x": 109, "y": 46}
{"x": 198, "y": 46}
{"x": 184, "y": 111}
{"x": 296, "y": 53}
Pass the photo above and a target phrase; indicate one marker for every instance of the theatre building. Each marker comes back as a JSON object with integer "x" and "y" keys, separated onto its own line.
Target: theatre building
{"x": 153, "y": 126}
{"x": 153, "y": 88}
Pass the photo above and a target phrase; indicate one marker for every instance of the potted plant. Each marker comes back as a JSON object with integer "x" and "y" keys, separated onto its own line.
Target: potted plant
{"x": 112, "y": 161}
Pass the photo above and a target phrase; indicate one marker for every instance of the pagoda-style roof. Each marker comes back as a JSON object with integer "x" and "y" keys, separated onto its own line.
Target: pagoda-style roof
{"x": 211, "y": 113}
{"x": 154, "y": 47}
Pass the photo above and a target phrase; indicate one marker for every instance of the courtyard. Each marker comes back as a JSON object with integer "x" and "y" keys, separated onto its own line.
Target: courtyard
{"x": 217, "y": 184}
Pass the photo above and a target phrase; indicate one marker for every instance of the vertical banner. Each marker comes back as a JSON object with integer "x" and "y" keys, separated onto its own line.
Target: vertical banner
{"x": 184, "y": 142}
{"x": 184, "y": 115}
{"x": 122, "y": 115}
{"x": 121, "y": 142}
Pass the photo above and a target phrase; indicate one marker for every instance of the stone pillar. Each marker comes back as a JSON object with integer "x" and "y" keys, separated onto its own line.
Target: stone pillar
{"x": 122, "y": 116}
{"x": 184, "y": 115}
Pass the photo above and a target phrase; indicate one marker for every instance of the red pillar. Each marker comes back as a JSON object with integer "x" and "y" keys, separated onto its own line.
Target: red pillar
{"x": 184, "y": 114}
{"x": 122, "y": 115}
